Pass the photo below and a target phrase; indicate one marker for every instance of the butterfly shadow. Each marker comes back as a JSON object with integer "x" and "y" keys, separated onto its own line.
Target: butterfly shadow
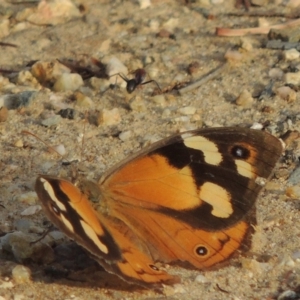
{"x": 74, "y": 267}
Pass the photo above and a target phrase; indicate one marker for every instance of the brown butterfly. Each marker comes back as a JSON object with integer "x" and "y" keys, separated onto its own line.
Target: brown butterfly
{"x": 189, "y": 198}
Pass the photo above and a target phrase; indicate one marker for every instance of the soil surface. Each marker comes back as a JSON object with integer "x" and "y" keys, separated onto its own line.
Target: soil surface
{"x": 164, "y": 38}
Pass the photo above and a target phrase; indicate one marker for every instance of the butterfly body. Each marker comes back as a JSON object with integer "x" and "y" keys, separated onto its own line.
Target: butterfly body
{"x": 186, "y": 198}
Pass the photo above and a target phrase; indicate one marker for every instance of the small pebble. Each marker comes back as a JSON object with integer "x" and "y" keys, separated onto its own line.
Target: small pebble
{"x": 286, "y": 93}
{"x": 26, "y": 78}
{"x": 100, "y": 84}
{"x": 27, "y": 198}
{"x": 144, "y": 3}
{"x": 53, "y": 12}
{"x": 246, "y": 45}
{"x": 164, "y": 33}
{"x": 57, "y": 236}
{"x": 83, "y": 100}
{"x": 60, "y": 149}
{"x": 288, "y": 295}
{"x": 292, "y": 78}
{"x": 52, "y": 121}
{"x": 291, "y": 54}
{"x": 159, "y": 100}
{"x": 294, "y": 178}
{"x": 276, "y": 73}
{"x": 293, "y": 3}
{"x": 125, "y": 135}
{"x": 188, "y": 110}
{"x": 31, "y": 210}
{"x": 15, "y": 101}
{"x": 6, "y": 285}
{"x": 166, "y": 113}
{"x": 193, "y": 67}
{"x": 171, "y": 24}
{"x": 109, "y": 117}
{"x": 48, "y": 71}
{"x": 233, "y": 55}
{"x": 17, "y": 243}
{"x": 21, "y": 274}
{"x": 182, "y": 119}
{"x": 22, "y": 225}
{"x": 257, "y": 126}
{"x": 68, "y": 113}
{"x": 286, "y": 261}
{"x": 114, "y": 67}
{"x": 293, "y": 192}
{"x": 201, "y": 279}
{"x": 263, "y": 22}
{"x": 4, "y": 28}
{"x": 68, "y": 82}
{"x": 138, "y": 104}
{"x": 245, "y": 99}
{"x": 19, "y": 143}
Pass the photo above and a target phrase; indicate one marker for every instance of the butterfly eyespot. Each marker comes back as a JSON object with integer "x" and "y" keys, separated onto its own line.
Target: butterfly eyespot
{"x": 240, "y": 152}
{"x": 153, "y": 267}
{"x": 55, "y": 209}
{"x": 201, "y": 251}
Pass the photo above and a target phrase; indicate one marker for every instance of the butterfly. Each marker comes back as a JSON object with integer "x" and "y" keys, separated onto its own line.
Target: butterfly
{"x": 187, "y": 198}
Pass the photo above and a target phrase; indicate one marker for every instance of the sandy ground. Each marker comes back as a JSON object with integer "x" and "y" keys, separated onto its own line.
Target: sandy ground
{"x": 122, "y": 29}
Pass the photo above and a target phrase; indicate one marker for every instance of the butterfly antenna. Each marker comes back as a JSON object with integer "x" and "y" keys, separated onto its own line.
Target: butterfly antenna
{"x": 83, "y": 135}
{"x": 38, "y": 138}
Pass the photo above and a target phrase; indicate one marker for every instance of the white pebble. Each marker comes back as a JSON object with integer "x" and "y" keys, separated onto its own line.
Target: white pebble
{"x": 125, "y": 135}
{"x": 114, "y": 67}
{"x": 257, "y": 126}
{"x": 201, "y": 279}
{"x": 31, "y": 210}
{"x": 60, "y": 149}
{"x": 188, "y": 110}
{"x": 291, "y": 54}
{"x": 68, "y": 82}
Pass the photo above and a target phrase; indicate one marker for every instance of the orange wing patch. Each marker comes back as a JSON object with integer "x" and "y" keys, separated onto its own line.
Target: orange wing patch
{"x": 151, "y": 181}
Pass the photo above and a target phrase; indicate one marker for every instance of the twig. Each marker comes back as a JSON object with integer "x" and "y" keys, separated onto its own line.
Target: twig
{"x": 267, "y": 13}
{"x": 204, "y": 79}
{"x": 8, "y": 44}
{"x": 255, "y": 30}
{"x": 34, "y": 135}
